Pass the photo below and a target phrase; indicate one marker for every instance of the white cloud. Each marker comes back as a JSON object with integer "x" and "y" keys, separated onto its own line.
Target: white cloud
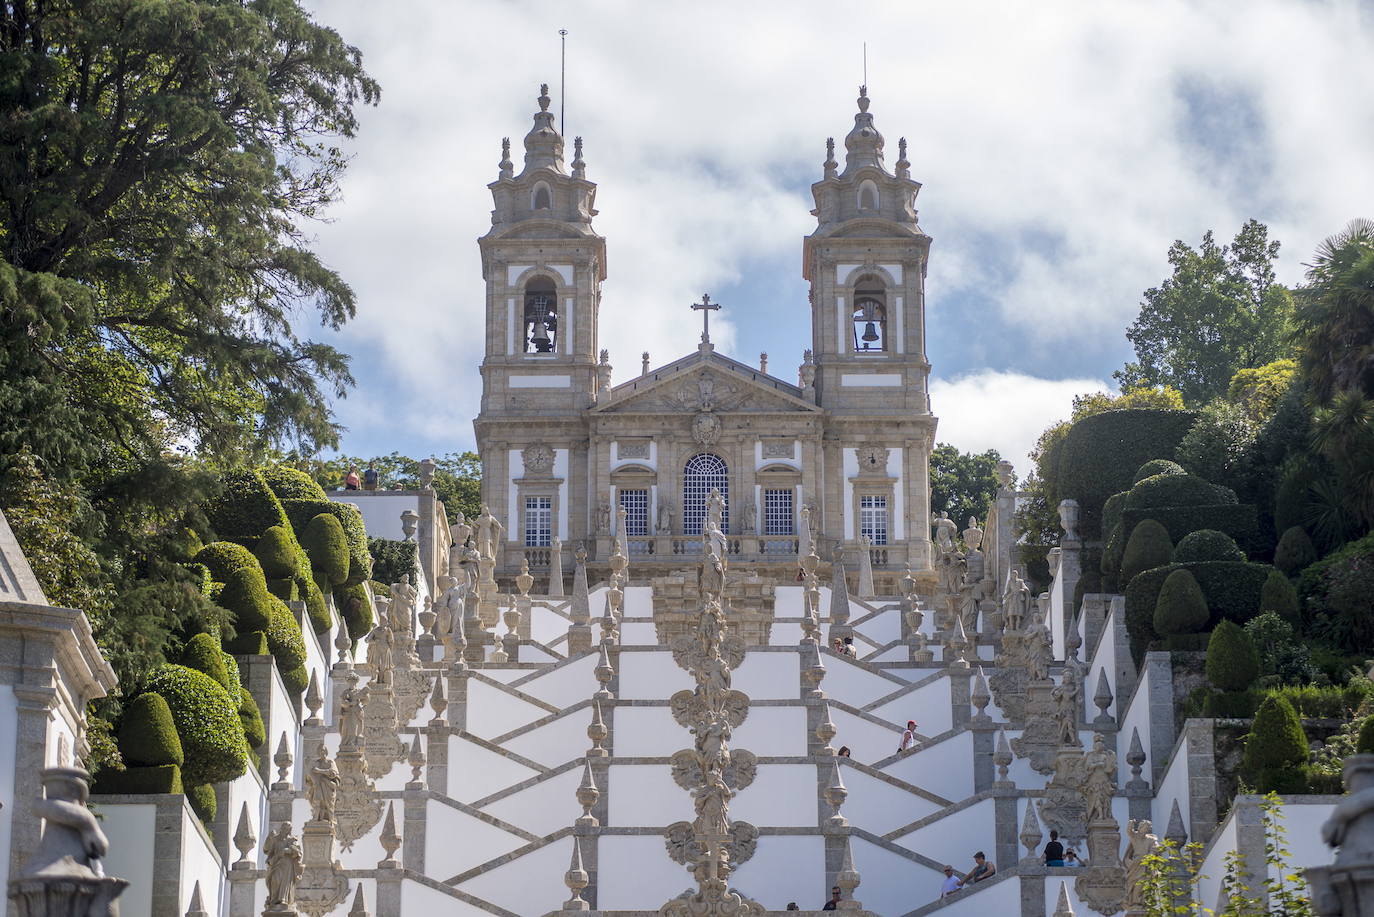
{"x": 1005, "y": 411}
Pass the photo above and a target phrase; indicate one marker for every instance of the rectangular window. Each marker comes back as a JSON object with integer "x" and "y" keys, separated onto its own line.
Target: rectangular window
{"x": 777, "y": 512}
{"x": 636, "y": 506}
{"x": 873, "y": 518}
{"x": 538, "y": 522}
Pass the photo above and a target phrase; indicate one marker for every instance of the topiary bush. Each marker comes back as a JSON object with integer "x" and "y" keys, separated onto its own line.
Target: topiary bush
{"x": 1207, "y": 544}
{"x": 203, "y": 653}
{"x": 1100, "y": 454}
{"x": 203, "y": 802}
{"x": 1177, "y": 490}
{"x": 1181, "y": 607}
{"x": 1157, "y": 466}
{"x": 163, "y": 778}
{"x": 224, "y": 557}
{"x": 1112, "y": 554}
{"x": 1233, "y": 704}
{"x": 207, "y": 722}
{"x": 355, "y": 608}
{"x": 276, "y": 553}
{"x": 327, "y": 547}
{"x": 1233, "y": 663}
{"x": 317, "y": 609}
{"x": 1276, "y": 753}
{"x": 1232, "y": 591}
{"x": 244, "y": 508}
{"x": 1284, "y": 659}
{"x": 359, "y": 561}
{"x": 1147, "y": 547}
{"x": 1239, "y": 520}
{"x": 284, "y": 639}
{"x": 1111, "y": 511}
{"x": 148, "y": 736}
{"x": 291, "y": 484}
{"x": 254, "y": 729}
{"x": 1364, "y": 744}
{"x": 1295, "y": 550}
{"x": 1277, "y": 595}
{"x": 246, "y": 597}
{"x": 200, "y": 576}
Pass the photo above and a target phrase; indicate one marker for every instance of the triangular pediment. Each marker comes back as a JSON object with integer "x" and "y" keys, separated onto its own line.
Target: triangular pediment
{"x": 706, "y": 382}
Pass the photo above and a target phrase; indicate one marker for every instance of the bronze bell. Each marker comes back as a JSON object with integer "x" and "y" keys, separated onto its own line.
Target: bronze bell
{"x": 870, "y": 333}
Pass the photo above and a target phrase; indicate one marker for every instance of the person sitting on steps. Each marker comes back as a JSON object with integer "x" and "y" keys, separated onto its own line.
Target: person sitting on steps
{"x": 1054, "y": 851}
{"x": 981, "y": 870}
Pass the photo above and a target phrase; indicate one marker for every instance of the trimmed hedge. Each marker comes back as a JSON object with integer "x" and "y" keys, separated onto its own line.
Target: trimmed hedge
{"x": 1236, "y": 704}
{"x": 1207, "y": 544}
{"x": 1181, "y": 607}
{"x": 1364, "y": 743}
{"x": 1295, "y": 550}
{"x": 284, "y": 639}
{"x": 291, "y": 484}
{"x": 245, "y": 595}
{"x": 1111, "y": 511}
{"x": 1232, "y": 591}
{"x": 252, "y": 643}
{"x": 349, "y": 516}
{"x": 203, "y": 802}
{"x": 327, "y": 547}
{"x": 207, "y": 722}
{"x": 254, "y": 729}
{"x": 1157, "y": 466}
{"x": 203, "y": 653}
{"x": 200, "y": 575}
{"x": 1276, "y": 751}
{"x": 276, "y": 552}
{"x": 355, "y": 607}
{"x": 317, "y": 608}
{"x": 1278, "y": 595}
{"x": 224, "y": 557}
{"x": 1239, "y": 520}
{"x": 1148, "y": 547}
{"x": 1100, "y": 454}
{"x": 285, "y": 589}
{"x": 244, "y": 508}
{"x": 1233, "y": 663}
{"x": 1162, "y": 490}
{"x": 164, "y": 778}
{"x": 148, "y": 737}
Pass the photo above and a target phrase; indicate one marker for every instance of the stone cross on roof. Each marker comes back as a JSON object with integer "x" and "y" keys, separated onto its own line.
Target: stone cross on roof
{"x": 706, "y": 307}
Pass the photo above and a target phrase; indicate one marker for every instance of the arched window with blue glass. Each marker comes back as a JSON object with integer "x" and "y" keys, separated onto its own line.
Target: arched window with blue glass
{"x": 702, "y": 473}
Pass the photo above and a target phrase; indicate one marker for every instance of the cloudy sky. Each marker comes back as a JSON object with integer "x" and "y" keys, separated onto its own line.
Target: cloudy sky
{"x": 1062, "y": 147}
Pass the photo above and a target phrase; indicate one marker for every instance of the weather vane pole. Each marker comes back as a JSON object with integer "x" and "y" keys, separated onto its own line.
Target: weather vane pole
{"x": 563, "y": 79}
{"x": 865, "y": 63}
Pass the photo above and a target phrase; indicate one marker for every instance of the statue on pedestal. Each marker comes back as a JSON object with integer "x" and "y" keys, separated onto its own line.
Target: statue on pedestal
{"x": 322, "y": 786}
{"x": 283, "y": 852}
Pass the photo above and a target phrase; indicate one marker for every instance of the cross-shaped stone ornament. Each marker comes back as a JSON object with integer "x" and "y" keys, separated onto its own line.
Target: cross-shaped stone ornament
{"x": 706, "y": 307}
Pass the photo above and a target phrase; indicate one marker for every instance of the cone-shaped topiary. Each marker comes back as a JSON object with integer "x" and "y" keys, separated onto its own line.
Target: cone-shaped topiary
{"x": 244, "y": 508}
{"x": 284, "y": 638}
{"x": 1157, "y": 466}
{"x": 327, "y": 546}
{"x": 295, "y": 680}
{"x": 1232, "y": 660}
{"x": 203, "y": 802}
{"x": 245, "y": 595}
{"x": 276, "y": 552}
{"x": 317, "y": 608}
{"x": 1205, "y": 545}
{"x": 207, "y": 722}
{"x": 1276, "y": 749}
{"x": 147, "y": 735}
{"x": 1295, "y": 550}
{"x": 203, "y": 653}
{"x": 291, "y": 484}
{"x": 1181, "y": 607}
{"x": 224, "y": 557}
{"x": 1364, "y": 743}
{"x": 1147, "y": 547}
{"x": 1279, "y": 596}
{"x": 254, "y": 730}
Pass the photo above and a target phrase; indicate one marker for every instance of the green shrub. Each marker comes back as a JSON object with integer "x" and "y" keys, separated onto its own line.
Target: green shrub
{"x": 1232, "y": 660}
{"x": 244, "y": 508}
{"x": 284, "y": 639}
{"x": 285, "y": 589}
{"x": 392, "y": 559}
{"x": 355, "y": 607}
{"x": 1207, "y": 544}
{"x": 1163, "y": 490}
{"x": 1295, "y": 550}
{"x": 224, "y": 557}
{"x": 1296, "y": 477}
{"x": 1325, "y": 701}
{"x": 1283, "y": 657}
{"x": 254, "y": 730}
{"x": 250, "y": 643}
{"x": 246, "y": 597}
{"x": 1279, "y": 596}
{"x": 207, "y": 722}
{"x": 147, "y": 734}
{"x": 1340, "y": 589}
{"x": 164, "y": 778}
{"x": 327, "y": 547}
{"x": 1239, "y": 520}
{"x": 1148, "y": 547}
{"x": 1111, "y": 511}
{"x": 291, "y": 484}
{"x": 203, "y": 653}
{"x": 1364, "y": 745}
{"x": 1234, "y": 704}
{"x": 276, "y": 552}
{"x": 1276, "y": 752}
{"x": 1232, "y": 591}
{"x": 1157, "y": 466}
{"x": 317, "y": 608}
{"x": 1100, "y": 454}
{"x": 359, "y": 561}
{"x": 1181, "y": 607}
{"x": 203, "y": 802}
{"x": 200, "y": 576}
{"x": 295, "y": 680}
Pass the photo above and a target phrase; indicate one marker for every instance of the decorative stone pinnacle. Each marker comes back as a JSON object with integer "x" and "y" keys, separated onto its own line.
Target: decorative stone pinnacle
{"x": 1102, "y": 698}
{"x": 342, "y": 644}
{"x": 1064, "y": 908}
{"x": 197, "y": 908}
{"x": 391, "y": 841}
{"x": 314, "y": 700}
{"x": 1135, "y": 756}
{"x": 244, "y": 840}
{"x": 604, "y": 673}
{"x": 1031, "y": 835}
{"x": 544, "y": 99}
{"x": 597, "y": 732}
{"x": 359, "y": 908}
{"x": 835, "y": 794}
{"x": 848, "y": 879}
{"x": 437, "y": 701}
{"x": 864, "y": 100}
{"x": 282, "y": 759}
{"x": 416, "y": 760}
{"x": 1002, "y": 758}
{"x": 981, "y": 697}
{"x": 826, "y": 730}
{"x": 1176, "y": 832}
{"x": 587, "y": 796}
{"x": 576, "y": 879}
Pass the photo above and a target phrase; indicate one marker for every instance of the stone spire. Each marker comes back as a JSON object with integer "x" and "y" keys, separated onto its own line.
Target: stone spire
{"x": 543, "y": 144}
{"x": 864, "y": 144}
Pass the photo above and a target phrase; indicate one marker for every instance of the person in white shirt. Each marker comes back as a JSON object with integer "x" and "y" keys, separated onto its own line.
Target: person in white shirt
{"x": 951, "y": 884}
{"x": 1071, "y": 859}
{"x": 908, "y": 737}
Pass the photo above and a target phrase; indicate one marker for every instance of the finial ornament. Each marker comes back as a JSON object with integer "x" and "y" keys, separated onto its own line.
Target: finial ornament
{"x": 864, "y": 101}
{"x": 544, "y": 99}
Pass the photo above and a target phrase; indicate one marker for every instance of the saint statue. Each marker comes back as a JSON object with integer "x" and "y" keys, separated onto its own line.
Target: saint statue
{"x": 284, "y": 868}
{"x": 1140, "y": 844}
{"x": 351, "y": 713}
{"x": 460, "y": 531}
{"x": 403, "y": 596}
{"x": 945, "y": 530}
{"x": 747, "y": 518}
{"x": 603, "y": 516}
{"x": 1100, "y": 785}
{"x": 488, "y": 531}
{"x": 379, "y": 643}
{"x": 322, "y": 786}
{"x": 665, "y": 518}
{"x": 715, "y": 509}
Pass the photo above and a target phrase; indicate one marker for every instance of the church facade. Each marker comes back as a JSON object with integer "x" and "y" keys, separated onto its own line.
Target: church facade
{"x": 570, "y": 460}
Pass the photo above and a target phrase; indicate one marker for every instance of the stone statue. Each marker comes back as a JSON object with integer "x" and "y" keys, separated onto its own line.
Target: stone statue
{"x": 322, "y": 786}
{"x": 1039, "y": 649}
{"x": 351, "y": 713}
{"x": 603, "y": 516}
{"x": 403, "y": 596}
{"x": 1016, "y": 602}
{"x": 665, "y": 518}
{"x": 1140, "y": 843}
{"x": 945, "y": 530}
{"x": 1065, "y": 697}
{"x": 715, "y": 509}
{"x": 460, "y": 531}
{"x": 64, "y": 875}
{"x": 379, "y": 644}
{"x": 284, "y": 868}
{"x": 488, "y": 530}
{"x": 747, "y": 518}
{"x": 1099, "y": 787}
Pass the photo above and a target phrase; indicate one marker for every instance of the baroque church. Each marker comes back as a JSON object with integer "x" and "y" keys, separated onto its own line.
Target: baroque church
{"x": 566, "y": 455}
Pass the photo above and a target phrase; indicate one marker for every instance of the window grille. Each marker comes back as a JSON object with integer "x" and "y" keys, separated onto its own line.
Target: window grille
{"x": 538, "y": 522}
{"x": 636, "y": 506}
{"x": 701, "y": 473}
{"x": 777, "y": 513}
{"x": 873, "y": 518}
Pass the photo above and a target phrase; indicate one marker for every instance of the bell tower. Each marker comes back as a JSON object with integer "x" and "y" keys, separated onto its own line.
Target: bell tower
{"x": 866, "y": 264}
